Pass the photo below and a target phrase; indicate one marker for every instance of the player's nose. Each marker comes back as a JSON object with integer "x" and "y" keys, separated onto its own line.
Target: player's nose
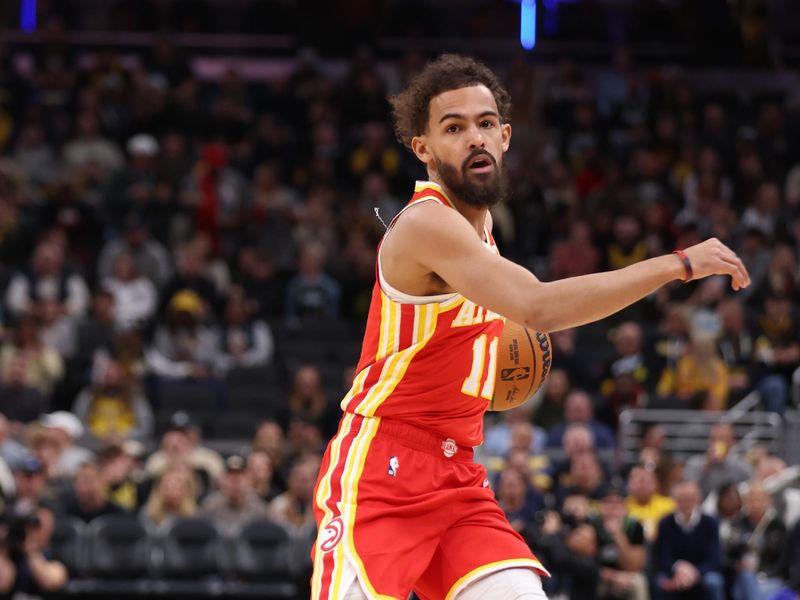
{"x": 475, "y": 138}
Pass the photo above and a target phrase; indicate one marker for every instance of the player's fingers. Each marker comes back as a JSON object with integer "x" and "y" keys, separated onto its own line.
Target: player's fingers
{"x": 734, "y": 267}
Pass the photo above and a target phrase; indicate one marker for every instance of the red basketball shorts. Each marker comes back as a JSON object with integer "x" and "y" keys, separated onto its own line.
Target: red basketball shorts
{"x": 401, "y": 508}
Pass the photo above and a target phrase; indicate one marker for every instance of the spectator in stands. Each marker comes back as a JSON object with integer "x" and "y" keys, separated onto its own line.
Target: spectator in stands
{"x": 190, "y": 275}
{"x": 44, "y": 447}
{"x": 20, "y": 402}
{"x": 96, "y": 331}
{"x": 585, "y": 477}
{"x": 65, "y": 429}
{"x": 47, "y": 277}
{"x": 261, "y": 472}
{"x": 783, "y": 276}
{"x": 778, "y": 344}
{"x": 575, "y": 363}
{"x": 245, "y": 341}
{"x": 621, "y": 549}
{"x": 303, "y": 437}
{"x": 577, "y": 438}
{"x": 579, "y": 409}
{"x": 719, "y": 464}
{"x": 756, "y": 548}
{"x": 151, "y": 258}
{"x": 113, "y": 408}
{"x": 236, "y": 502}
{"x": 755, "y": 254}
{"x": 133, "y": 187}
{"x": 513, "y": 430}
{"x": 258, "y": 275}
{"x": 655, "y": 457}
{"x": 29, "y": 484}
{"x": 182, "y": 346}
{"x": 89, "y": 147}
{"x": 27, "y": 568}
{"x": 120, "y": 468}
{"x": 781, "y": 482}
{"x": 307, "y": 398}
{"x": 570, "y": 544}
{"x": 270, "y": 439}
{"x": 673, "y": 338}
{"x": 629, "y": 374}
{"x": 738, "y": 348}
{"x": 374, "y": 153}
{"x": 687, "y": 549}
{"x": 11, "y": 450}
{"x": 550, "y": 410}
{"x": 293, "y": 508}
{"x": 41, "y": 366}
{"x": 518, "y": 500}
{"x": 312, "y": 293}
{"x": 215, "y": 192}
{"x": 88, "y": 497}
{"x": 700, "y": 378}
{"x": 174, "y": 495}
{"x": 135, "y": 296}
{"x": 725, "y": 505}
{"x": 35, "y": 155}
{"x": 56, "y": 330}
{"x": 181, "y": 446}
{"x": 576, "y": 255}
{"x": 644, "y": 503}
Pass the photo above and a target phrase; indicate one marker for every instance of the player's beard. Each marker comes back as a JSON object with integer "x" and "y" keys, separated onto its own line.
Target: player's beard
{"x": 475, "y": 190}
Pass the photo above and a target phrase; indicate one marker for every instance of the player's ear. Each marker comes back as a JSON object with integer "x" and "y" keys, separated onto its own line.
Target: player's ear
{"x": 505, "y": 135}
{"x": 419, "y": 146}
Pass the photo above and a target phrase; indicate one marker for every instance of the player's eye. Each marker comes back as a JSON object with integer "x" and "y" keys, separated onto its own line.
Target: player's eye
{"x": 452, "y": 128}
{"x": 486, "y": 124}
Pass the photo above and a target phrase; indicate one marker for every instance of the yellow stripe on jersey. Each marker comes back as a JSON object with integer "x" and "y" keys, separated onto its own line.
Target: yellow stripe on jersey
{"x": 358, "y": 386}
{"x": 322, "y": 497}
{"x": 383, "y": 338}
{"x": 425, "y": 185}
{"x": 425, "y": 319}
{"x": 389, "y": 341}
{"x": 354, "y": 467}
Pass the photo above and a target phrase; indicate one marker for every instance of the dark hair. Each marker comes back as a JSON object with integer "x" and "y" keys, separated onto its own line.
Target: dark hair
{"x": 410, "y": 108}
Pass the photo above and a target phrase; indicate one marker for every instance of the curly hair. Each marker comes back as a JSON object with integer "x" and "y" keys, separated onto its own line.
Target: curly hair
{"x": 410, "y": 108}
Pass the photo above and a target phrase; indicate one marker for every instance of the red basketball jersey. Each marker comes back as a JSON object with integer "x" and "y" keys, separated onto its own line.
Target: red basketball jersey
{"x": 428, "y": 361}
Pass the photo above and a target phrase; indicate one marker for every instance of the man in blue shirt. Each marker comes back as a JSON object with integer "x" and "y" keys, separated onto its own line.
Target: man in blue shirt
{"x": 687, "y": 550}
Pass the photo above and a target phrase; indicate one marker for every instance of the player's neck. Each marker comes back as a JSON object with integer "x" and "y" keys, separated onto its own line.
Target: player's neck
{"x": 476, "y": 215}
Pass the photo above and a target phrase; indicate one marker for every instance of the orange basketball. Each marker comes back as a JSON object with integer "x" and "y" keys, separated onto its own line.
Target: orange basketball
{"x": 524, "y": 357}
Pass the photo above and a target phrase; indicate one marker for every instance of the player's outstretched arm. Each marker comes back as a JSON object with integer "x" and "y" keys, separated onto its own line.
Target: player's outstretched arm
{"x": 439, "y": 239}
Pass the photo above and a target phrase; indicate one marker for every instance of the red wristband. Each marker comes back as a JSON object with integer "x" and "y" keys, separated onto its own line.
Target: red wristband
{"x": 687, "y": 265}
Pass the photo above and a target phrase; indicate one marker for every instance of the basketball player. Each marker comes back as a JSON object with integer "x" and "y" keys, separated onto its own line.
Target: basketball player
{"x": 399, "y": 502}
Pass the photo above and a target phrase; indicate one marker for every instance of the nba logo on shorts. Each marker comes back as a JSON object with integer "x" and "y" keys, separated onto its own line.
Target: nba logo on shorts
{"x": 394, "y": 464}
{"x": 331, "y": 535}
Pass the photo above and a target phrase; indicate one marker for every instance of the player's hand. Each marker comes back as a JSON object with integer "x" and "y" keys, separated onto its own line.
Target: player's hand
{"x": 712, "y": 257}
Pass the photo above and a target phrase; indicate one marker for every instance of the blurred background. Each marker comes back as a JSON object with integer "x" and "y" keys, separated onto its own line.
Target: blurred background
{"x": 188, "y": 195}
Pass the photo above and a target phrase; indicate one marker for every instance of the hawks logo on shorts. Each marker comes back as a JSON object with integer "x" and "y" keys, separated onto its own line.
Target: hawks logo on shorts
{"x": 331, "y": 535}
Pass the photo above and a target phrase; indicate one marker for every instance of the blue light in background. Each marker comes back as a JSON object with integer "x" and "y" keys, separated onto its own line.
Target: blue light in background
{"x": 27, "y": 15}
{"x": 527, "y": 24}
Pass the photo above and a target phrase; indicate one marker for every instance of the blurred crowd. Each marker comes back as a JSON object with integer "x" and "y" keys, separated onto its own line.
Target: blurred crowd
{"x": 159, "y": 230}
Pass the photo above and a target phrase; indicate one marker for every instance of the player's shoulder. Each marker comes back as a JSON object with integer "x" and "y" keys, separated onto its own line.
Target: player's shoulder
{"x": 427, "y": 217}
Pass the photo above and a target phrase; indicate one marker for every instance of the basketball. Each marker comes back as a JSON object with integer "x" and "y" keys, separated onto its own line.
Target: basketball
{"x": 524, "y": 357}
